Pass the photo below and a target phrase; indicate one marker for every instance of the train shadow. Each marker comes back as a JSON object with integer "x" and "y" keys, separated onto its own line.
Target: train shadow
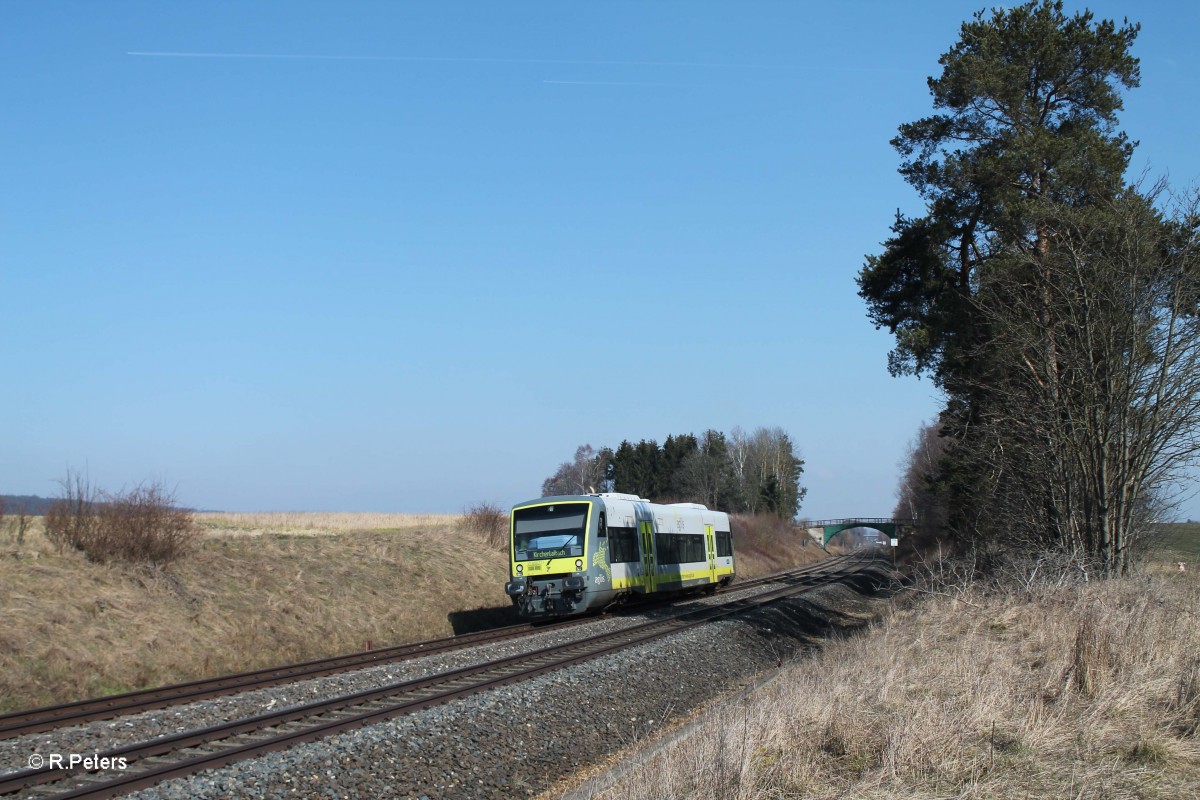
{"x": 799, "y": 623}
{"x": 483, "y": 619}
{"x": 794, "y": 624}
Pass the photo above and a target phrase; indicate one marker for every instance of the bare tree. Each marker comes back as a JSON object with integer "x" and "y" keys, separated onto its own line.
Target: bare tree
{"x": 919, "y": 496}
{"x": 739, "y": 453}
{"x": 587, "y": 472}
{"x": 766, "y": 470}
{"x": 1092, "y": 413}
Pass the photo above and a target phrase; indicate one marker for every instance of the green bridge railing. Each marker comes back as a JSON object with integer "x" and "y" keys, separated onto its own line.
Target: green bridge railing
{"x": 889, "y": 526}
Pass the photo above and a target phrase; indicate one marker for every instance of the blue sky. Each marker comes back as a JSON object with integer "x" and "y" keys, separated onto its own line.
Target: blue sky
{"x": 415, "y": 263}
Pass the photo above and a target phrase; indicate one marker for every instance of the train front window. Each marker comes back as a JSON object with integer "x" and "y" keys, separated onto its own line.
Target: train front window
{"x": 554, "y": 531}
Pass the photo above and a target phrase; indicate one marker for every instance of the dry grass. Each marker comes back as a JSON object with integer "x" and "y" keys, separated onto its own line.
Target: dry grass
{"x": 764, "y": 543}
{"x": 77, "y": 629}
{"x": 258, "y": 590}
{"x": 1060, "y": 690}
{"x": 314, "y": 522}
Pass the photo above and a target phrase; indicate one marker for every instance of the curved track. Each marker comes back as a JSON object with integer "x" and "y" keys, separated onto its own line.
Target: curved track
{"x": 193, "y": 751}
{"x": 37, "y": 720}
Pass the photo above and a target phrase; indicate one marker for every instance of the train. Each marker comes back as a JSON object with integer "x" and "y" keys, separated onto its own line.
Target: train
{"x": 574, "y": 554}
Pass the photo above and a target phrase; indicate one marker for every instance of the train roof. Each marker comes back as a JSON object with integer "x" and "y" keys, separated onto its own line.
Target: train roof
{"x": 632, "y": 498}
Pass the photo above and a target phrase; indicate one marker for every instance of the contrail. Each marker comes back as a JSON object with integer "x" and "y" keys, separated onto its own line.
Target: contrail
{"x": 456, "y": 59}
{"x": 611, "y": 83}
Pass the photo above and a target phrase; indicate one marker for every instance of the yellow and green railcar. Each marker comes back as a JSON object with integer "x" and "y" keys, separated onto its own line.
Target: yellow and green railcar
{"x": 579, "y": 553}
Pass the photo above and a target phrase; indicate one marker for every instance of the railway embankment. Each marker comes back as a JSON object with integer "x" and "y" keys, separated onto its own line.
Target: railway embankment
{"x": 258, "y": 590}
{"x": 261, "y": 590}
{"x": 518, "y": 740}
{"x": 1036, "y": 686}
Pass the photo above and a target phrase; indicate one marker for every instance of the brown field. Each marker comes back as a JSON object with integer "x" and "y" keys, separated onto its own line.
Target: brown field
{"x": 314, "y": 522}
{"x": 260, "y": 589}
{"x": 1050, "y": 688}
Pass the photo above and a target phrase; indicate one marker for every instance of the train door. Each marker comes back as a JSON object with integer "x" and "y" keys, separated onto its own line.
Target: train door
{"x": 648, "y": 571}
{"x": 710, "y": 547}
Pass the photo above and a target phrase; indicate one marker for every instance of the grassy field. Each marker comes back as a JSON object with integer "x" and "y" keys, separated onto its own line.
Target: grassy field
{"x": 260, "y": 589}
{"x": 315, "y": 523}
{"x": 1046, "y": 688}
{"x": 1178, "y": 542}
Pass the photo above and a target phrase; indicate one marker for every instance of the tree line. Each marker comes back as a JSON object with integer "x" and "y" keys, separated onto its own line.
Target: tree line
{"x": 1054, "y": 302}
{"x": 757, "y": 472}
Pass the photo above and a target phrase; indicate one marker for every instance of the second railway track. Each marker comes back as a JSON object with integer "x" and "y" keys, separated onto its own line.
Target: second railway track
{"x": 193, "y": 751}
{"x": 38, "y": 720}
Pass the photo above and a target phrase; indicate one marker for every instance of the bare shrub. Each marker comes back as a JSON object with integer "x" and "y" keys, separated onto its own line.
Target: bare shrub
{"x": 71, "y": 520}
{"x": 142, "y": 525}
{"x": 22, "y": 523}
{"x": 489, "y": 522}
{"x": 19, "y": 517}
{"x": 998, "y": 569}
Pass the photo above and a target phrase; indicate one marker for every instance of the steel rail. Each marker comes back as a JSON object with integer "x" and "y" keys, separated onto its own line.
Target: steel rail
{"x": 39, "y": 720}
{"x": 382, "y": 703}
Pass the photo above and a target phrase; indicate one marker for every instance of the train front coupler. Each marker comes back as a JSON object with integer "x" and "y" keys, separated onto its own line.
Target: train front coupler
{"x": 555, "y": 597}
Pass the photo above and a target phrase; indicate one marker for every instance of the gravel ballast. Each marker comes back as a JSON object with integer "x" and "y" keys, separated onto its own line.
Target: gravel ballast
{"x": 511, "y": 742}
{"x": 104, "y": 735}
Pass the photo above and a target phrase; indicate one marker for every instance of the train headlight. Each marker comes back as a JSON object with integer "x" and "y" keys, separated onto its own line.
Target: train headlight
{"x": 579, "y": 563}
{"x": 573, "y": 583}
{"x": 520, "y": 568}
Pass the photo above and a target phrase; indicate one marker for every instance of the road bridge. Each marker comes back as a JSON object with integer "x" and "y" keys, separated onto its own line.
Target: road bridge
{"x": 822, "y": 530}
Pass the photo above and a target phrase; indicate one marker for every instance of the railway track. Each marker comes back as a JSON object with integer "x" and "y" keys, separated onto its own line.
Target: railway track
{"x": 48, "y": 718}
{"x": 147, "y": 763}
{"x": 38, "y": 720}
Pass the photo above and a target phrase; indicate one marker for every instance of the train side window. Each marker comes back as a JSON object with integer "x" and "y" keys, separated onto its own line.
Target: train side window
{"x": 679, "y": 548}
{"x": 687, "y": 548}
{"x": 724, "y": 544}
{"x": 667, "y": 547}
{"x": 690, "y": 547}
{"x": 622, "y": 546}
{"x": 603, "y": 529}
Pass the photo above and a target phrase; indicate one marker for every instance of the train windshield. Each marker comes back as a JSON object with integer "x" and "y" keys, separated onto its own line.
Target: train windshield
{"x": 554, "y": 531}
